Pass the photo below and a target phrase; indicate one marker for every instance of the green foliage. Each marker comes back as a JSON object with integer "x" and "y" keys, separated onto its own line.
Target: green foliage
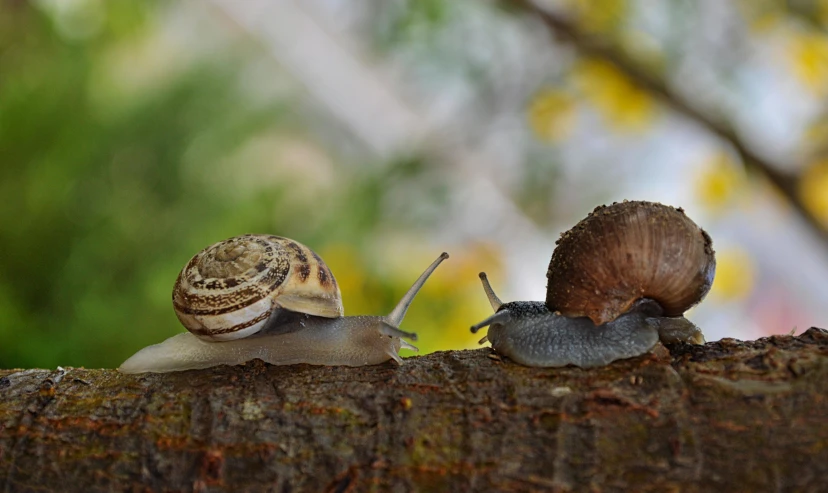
{"x": 121, "y": 160}
{"x": 97, "y": 212}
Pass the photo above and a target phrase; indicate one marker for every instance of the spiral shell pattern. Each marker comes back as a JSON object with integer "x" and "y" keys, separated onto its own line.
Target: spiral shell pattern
{"x": 625, "y": 252}
{"x": 230, "y": 289}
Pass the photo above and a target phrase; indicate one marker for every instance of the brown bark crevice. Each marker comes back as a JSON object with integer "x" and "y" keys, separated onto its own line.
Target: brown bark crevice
{"x": 726, "y": 416}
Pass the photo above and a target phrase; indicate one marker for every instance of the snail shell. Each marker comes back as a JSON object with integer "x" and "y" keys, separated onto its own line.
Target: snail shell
{"x": 231, "y": 289}
{"x": 619, "y": 282}
{"x": 625, "y": 252}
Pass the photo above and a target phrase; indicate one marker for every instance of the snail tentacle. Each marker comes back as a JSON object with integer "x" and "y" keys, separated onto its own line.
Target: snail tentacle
{"x": 391, "y": 331}
{"x": 407, "y": 345}
{"x": 398, "y": 313}
{"x": 502, "y": 317}
{"x": 490, "y": 294}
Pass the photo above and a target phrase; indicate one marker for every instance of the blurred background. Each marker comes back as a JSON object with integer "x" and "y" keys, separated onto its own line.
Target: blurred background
{"x": 382, "y": 132}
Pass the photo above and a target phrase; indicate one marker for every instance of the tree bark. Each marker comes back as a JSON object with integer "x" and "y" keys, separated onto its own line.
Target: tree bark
{"x": 727, "y": 416}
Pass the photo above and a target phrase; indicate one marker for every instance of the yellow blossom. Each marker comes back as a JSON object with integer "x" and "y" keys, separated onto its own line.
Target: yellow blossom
{"x": 550, "y": 115}
{"x": 621, "y": 102}
{"x": 735, "y": 274}
{"x": 810, "y": 60}
{"x": 720, "y": 182}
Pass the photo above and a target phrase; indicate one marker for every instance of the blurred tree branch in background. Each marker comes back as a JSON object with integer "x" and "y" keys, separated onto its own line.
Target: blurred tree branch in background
{"x": 807, "y": 11}
{"x": 595, "y": 47}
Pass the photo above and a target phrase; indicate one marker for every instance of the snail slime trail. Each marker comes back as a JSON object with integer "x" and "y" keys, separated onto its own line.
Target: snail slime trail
{"x": 618, "y": 282}
{"x": 272, "y": 298}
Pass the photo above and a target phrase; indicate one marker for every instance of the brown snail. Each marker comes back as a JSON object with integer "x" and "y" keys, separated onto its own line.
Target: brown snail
{"x": 272, "y": 298}
{"x": 618, "y": 282}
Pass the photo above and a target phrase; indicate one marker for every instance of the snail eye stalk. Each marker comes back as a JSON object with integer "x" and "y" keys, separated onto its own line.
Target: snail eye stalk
{"x": 493, "y": 299}
{"x": 502, "y": 317}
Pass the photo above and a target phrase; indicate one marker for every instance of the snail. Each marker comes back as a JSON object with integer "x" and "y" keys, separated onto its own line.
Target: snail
{"x": 268, "y": 297}
{"x": 618, "y": 282}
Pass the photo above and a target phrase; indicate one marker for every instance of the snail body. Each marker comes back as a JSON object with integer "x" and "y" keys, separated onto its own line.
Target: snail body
{"x": 544, "y": 338}
{"x": 618, "y": 282}
{"x": 272, "y": 298}
{"x": 342, "y": 341}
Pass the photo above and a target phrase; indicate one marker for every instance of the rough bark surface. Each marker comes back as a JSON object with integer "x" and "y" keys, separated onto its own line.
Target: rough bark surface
{"x": 728, "y": 416}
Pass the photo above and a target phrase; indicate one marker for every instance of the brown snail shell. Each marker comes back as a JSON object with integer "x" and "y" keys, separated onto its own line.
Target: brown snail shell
{"x": 625, "y": 252}
{"x": 230, "y": 289}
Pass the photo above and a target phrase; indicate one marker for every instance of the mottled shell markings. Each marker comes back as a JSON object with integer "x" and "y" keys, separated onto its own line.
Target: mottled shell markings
{"x": 230, "y": 289}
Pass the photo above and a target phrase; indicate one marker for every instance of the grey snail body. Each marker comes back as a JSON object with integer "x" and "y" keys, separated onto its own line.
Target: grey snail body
{"x": 272, "y": 298}
{"x": 618, "y": 282}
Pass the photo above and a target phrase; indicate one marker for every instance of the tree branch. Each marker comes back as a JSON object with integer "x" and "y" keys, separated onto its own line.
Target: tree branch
{"x": 593, "y": 47}
{"x": 727, "y": 416}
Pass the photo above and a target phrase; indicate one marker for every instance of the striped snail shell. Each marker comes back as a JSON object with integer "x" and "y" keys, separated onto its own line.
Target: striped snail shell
{"x": 232, "y": 288}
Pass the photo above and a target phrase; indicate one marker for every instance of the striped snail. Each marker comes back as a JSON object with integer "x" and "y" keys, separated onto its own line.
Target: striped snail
{"x": 268, "y": 297}
{"x": 618, "y": 282}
